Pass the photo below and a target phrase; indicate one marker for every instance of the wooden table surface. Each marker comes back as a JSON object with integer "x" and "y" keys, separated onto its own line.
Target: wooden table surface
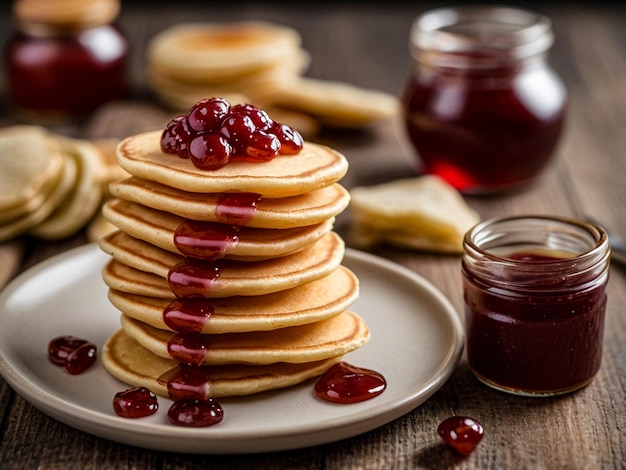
{"x": 366, "y": 44}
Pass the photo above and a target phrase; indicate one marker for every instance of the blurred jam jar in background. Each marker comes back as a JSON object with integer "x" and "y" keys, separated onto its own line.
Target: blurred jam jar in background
{"x": 535, "y": 299}
{"x": 483, "y": 108}
{"x": 65, "y": 59}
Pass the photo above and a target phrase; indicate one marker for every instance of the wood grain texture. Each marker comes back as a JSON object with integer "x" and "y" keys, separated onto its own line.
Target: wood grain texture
{"x": 367, "y": 44}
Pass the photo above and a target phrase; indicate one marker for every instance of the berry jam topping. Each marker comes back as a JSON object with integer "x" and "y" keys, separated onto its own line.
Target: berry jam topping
{"x": 205, "y": 240}
{"x": 188, "y": 348}
{"x": 461, "y": 433}
{"x": 61, "y": 347}
{"x": 187, "y": 315}
{"x": 135, "y": 403}
{"x": 186, "y": 381}
{"x": 195, "y": 413}
{"x": 237, "y": 208}
{"x": 76, "y": 354}
{"x": 345, "y": 383}
{"x": 213, "y": 132}
{"x": 193, "y": 278}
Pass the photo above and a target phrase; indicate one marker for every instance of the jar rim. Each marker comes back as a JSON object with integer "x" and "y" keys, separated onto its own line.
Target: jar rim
{"x": 506, "y": 32}
{"x": 595, "y": 231}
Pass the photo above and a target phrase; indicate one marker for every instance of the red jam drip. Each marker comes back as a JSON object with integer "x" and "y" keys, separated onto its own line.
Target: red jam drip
{"x": 345, "y": 383}
{"x": 461, "y": 433}
{"x": 192, "y": 278}
{"x": 195, "y": 413}
{"x": 186, "y": 381}
{"x": 135, "y": 403}
{"x": 205, "y": 240}
{"x": 76, "y": 354}
{"x": 237, "y": 208}
{"x": 187, "y": 315}
{"x": 189, "y": 348}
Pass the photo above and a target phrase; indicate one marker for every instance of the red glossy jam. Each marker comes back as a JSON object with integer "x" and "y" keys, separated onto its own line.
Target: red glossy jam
{"x": 461, "y": 433}
{"x": 135, "y": 403}
{"x": 67, "y": 75}
{"x": 195, "y": 413}
{"x": 546, "y": 340}
{"x": 189, "y": 348}
{"x": 237, "y": 208}
{"x": 213, "y": 133}
{"x": 188, "y": 315}
{"x": 186, "y": 382}
{"x": 76, "y": 354}
{"x": 205, "y": 240}
{"x": 485, "y": 131}
{"x": 345, "y": 383}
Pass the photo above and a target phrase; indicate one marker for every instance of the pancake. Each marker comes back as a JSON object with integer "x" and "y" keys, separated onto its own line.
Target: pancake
{"x": 158, "y": 228}
{"x": 84, "y": 199}
{"x": 58, "y": 193}
{"x": 338, "y": 104}
{"x": 29, "y": 161}
{"x": 200, "y": 52}
{"x": 295, "y": 211}
{"x": 307, "y": 303}
{"x": 142, "y": 269}
{"x": 133, "y": 364}
{"x": 314, "y": 167}
{"x": 317, "y": 341}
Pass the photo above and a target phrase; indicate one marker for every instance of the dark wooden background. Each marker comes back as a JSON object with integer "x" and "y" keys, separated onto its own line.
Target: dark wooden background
{"x": 367, "y": 44}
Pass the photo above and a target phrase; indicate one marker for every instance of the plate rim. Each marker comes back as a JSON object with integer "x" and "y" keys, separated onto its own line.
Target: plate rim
{"x": 93, "y": 422}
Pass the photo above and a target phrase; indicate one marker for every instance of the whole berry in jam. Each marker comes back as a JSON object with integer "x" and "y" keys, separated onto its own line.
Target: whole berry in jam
{"x": 461, "y": 433}
{"x": 195, "y": 413}
{"x": 76, "y": 354}
{"x": 214, "y": 133}
{"x": 135, "y": 403}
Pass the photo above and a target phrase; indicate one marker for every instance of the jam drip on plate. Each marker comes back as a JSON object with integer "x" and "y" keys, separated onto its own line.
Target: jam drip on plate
{"x": 345, "y": 383}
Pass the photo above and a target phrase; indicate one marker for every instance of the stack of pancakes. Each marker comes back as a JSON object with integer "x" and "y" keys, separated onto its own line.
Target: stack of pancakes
{"x": 261, "y": 63}
{"x": 51, "y": 186}
{"x": 276, "y": 304}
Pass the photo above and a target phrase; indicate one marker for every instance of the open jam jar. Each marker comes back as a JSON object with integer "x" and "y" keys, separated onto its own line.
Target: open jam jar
{"x": 66, "y": 58}
{"x": 482, "y": 107}
{"x": 534, "y": 290}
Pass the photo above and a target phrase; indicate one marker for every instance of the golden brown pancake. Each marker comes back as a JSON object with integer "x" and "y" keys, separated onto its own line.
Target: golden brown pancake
{"x": 307, "y": 303}
{"x": 159, "y": 227}
{"x": 133, "y": 364}
{"x": 295, "y": 211}
{"x": 316, "y": 341}
{"x": 142, "y": 269}
{"x": 314, "y": 167}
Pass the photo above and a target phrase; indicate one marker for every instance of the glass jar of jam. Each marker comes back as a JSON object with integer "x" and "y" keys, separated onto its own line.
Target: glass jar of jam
{"x": 534, "y": 291}
{"x": 482, "y": 107}
{"x": 65, "y": 59}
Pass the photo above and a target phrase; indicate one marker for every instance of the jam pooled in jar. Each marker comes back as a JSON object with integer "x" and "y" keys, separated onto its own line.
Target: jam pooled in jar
{"x": 482, "y": 107}
{"x": 535, "y": 299}
{"x": 66, "y": 59}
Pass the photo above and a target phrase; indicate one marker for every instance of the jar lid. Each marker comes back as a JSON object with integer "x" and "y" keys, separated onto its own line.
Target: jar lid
{"x": 484, "y": 33}
{"x": 62, "y": 16}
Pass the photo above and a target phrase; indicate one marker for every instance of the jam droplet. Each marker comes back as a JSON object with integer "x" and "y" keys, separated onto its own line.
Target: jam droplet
{"x": 461, "y": 433}
{"x": 192, "y": 278}
{"x": 195, "y": 413}
{"x": 135, "y": 403}
{"x": 186, "y": 382}
{"x": 61, "y": 347}
{"x": 188, "y": 348}
{"x": 345, "y": 383}
{"x": 237, "y": 208}
{"x": 205, "y": 240}
{"x": 187, "y": 315}
{"x": 81, "y": 359}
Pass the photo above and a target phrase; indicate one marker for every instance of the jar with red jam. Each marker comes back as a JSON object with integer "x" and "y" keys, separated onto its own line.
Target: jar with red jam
{"x": 535, "y": 298}
{"x": 66, "y": 58}
{"x": 483, "y": 109}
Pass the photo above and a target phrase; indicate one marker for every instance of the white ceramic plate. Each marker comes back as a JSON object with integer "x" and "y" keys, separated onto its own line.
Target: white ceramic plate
{"x": 416, "y": 343}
